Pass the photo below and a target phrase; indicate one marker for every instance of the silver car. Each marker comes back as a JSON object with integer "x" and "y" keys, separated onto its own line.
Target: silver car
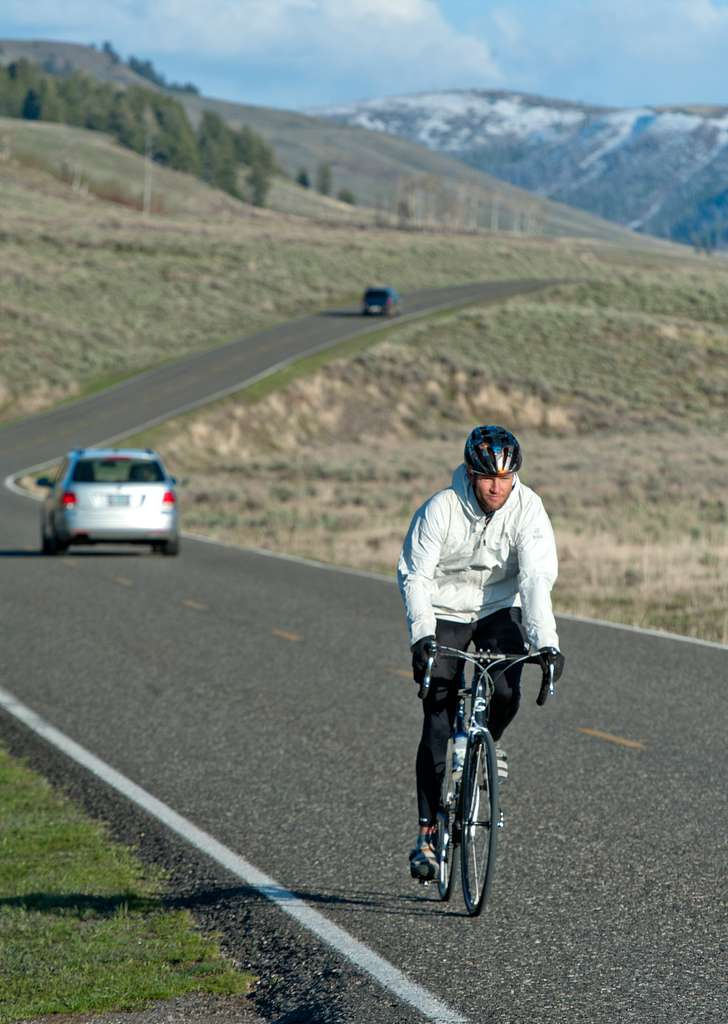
{"x": 110, "y": 496}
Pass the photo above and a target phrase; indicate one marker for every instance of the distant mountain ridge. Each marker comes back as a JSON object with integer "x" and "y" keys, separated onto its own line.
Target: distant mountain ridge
{"x": 401, "y": 182}
{"x": 657, "y": 170}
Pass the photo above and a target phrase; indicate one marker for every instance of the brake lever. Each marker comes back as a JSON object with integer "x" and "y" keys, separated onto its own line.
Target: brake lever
{"x": 425, "y": 684}
{"x": 547, "y": 685}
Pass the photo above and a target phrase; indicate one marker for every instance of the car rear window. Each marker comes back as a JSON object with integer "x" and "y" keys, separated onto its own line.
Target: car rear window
{"x": 378, "y": 296}
{"x": 117, "y": 471}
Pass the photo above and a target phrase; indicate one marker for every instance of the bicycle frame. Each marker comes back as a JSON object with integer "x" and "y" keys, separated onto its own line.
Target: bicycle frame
{"x": 470, "y": 812}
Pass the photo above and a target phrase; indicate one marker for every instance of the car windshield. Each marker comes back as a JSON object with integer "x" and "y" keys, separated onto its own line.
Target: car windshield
{"x": 117, "y": 471}
{"x": 377, "y": 295}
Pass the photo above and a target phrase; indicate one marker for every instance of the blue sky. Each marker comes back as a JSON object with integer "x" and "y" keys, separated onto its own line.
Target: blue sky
{"x": 306, "y": 53}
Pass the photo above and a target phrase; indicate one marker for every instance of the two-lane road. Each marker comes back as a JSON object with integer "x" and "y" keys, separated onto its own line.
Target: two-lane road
{"x": 265, "y": 700}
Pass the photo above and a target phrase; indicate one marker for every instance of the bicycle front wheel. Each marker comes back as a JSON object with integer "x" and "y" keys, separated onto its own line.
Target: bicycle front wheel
{"x": 444, "y": 837}
{"x": 479, "y": 821}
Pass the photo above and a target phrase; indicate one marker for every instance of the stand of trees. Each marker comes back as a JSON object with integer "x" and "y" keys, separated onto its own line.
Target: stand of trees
{"x": 147, "y": 70}
{"x": 325, "y": 183}
{"x": 146, "y": 121}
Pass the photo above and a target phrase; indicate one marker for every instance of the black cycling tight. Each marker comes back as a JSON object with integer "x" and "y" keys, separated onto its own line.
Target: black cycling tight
{"x": 500, "y": 631}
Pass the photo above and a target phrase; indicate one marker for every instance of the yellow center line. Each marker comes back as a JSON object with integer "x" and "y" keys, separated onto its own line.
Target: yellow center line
{"x": 123, "y": 581}
{"x": 621, "y": 741}
{"x": 401, "y": 672}
{"x": 293, "y": 637}
{"x": 196, "y": 605}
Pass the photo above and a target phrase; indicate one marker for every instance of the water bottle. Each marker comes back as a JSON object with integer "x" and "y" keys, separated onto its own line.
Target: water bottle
{"x": 459, "y": 743}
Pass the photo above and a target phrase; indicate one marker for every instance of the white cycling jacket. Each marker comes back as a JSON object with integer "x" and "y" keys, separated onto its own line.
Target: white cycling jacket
{"x": 454, "y": 566}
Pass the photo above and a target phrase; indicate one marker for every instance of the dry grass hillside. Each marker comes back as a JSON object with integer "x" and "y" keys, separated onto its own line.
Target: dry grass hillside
{"x": 617, "y": 382}
{"x": 93, "y": 289}
{"x": 618, "y": 391}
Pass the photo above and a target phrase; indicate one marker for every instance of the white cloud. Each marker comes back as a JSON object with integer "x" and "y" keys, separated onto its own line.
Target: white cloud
{"x": 510, "y": 28}
{"x": 300, "y": 53}
{"x": 393, "y": 44}
{"x": 613, "y": 51}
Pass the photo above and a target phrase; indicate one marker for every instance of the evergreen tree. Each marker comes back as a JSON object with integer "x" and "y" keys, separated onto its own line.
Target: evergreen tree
{"x": 125, "y": 126}
{"x": 74, "y": 92}
{"x": 148, "y": 122}
{"x": 174, "y": 141}
{"x": 253, "y": 149}
{"x": 218, "y": 153}
{"x": 52, "y": 105}
{"x": 259, "y": 181}
{"x": 20, "y": 76}
{"x": 32, "y": 109}
{"x": 303, "y": 179}
{"x": 259, "y": 158}
{"x": 109, "y": 50}
{"x": 146, "y": 69}
{"x": 324, "y": 179}
{"x": 97, "y": 105}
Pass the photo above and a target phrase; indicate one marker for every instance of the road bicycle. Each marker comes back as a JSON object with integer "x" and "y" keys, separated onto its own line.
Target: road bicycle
{"x": 469, "y": 815}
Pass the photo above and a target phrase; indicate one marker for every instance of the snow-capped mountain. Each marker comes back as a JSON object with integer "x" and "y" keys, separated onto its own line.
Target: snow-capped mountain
{"x": 660, "y": 170}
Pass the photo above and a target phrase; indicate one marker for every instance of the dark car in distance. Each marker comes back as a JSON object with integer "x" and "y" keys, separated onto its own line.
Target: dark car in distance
{"x": 380, "y": 300}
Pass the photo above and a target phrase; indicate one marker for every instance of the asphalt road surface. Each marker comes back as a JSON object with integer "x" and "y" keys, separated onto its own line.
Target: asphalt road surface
{"x": 266, "y": 701}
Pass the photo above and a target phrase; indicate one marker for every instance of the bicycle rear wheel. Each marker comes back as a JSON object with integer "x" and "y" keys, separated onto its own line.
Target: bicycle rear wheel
{"x": 479, "y": 821}
{"x": 444, "y": 833}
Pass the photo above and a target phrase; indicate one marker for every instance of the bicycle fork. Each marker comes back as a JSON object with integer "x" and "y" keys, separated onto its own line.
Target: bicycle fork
{"x": 478, "y": 725}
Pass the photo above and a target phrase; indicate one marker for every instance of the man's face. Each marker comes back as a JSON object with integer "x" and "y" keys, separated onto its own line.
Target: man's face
{"x": 491, "y": 491}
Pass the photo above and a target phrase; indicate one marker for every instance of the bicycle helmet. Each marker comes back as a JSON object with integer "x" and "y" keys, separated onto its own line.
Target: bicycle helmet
{"x": 493, "y": 451}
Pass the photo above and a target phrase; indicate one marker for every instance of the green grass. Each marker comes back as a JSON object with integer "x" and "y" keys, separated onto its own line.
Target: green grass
{"x": 83, "y": 926}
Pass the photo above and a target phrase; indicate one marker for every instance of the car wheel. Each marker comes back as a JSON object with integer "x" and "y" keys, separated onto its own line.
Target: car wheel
{"x": 50, "y": 544}
{"x": 170, "y": 547}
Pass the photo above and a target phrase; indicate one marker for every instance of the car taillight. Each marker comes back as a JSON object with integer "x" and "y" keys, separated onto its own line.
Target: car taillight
{"x": 68, "y": 499}
{"x": 169, "y": 498}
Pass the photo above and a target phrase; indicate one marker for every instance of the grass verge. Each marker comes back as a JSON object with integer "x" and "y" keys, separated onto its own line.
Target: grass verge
{"x": 83, "y": 925}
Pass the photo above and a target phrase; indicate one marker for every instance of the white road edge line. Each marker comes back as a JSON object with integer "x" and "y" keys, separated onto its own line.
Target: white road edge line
{"x": 356, "y": 952}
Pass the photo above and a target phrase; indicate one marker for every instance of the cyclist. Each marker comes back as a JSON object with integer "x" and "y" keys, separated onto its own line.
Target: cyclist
{"x": 477, "y": 564}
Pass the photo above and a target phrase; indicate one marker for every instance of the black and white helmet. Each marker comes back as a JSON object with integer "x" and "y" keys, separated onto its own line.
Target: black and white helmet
{"x": 492, "y": 451}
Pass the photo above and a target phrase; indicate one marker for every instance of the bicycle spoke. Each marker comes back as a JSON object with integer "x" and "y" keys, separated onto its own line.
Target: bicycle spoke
{"x": 479, "y": 813}
{"x": 444, "y": 833}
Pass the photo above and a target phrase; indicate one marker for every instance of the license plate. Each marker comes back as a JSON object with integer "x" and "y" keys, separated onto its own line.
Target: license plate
{"x": 118, "y": 499}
